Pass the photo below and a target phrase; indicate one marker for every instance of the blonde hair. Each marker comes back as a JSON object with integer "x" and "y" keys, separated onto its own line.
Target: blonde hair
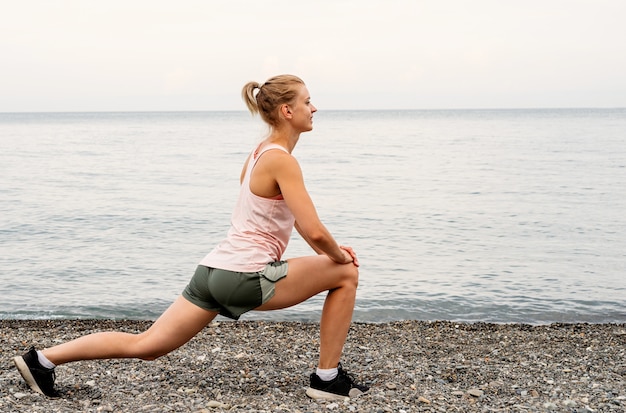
{"x": 276, "y": 91}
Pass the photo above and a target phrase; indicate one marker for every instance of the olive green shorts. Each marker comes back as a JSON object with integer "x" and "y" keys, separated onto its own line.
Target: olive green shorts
{"x": 233, "y": 293}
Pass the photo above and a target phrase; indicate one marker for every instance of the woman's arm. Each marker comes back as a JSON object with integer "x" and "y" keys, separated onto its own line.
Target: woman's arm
{"x": 303, "y": 235}
{"x": 286, "y": 171}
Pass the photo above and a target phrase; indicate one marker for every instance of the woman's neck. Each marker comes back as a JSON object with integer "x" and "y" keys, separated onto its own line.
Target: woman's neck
{"x": 287, "y": 141}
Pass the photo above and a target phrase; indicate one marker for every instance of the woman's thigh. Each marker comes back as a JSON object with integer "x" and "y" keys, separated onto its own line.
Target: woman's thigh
{"x": 176, "y": 326}
{"x": 309, "y": 276}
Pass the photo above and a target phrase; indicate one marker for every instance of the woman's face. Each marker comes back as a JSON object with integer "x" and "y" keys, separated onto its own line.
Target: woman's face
{"x": 302, "y": 111}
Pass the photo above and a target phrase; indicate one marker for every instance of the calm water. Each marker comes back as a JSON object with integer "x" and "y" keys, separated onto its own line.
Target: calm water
{"x": 500, "y": 216}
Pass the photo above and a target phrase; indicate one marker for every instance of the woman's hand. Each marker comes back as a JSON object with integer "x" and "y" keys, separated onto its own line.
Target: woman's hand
{"x": 349, "y": 255}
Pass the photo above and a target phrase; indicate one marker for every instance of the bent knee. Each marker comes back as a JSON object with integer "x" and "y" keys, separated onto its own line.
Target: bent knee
{"x": 351, "y": 275}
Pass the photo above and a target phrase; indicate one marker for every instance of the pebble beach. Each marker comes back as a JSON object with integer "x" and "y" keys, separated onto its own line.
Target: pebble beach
{"x": 258, "y": 366}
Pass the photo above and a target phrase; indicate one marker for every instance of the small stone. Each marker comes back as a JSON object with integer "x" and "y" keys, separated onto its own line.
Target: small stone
{"x": 90, "y": 383}
{"x": 391, "y": 386}
{"x": 19, "y": 395}
{"x": 332, "y": 406}
{"x": 475, "y": 392}
{"x": 569, "y": 403}
{"x": 534, "y": 393}
{"x": 549, "y": 406}
{"x": 423, "y": 399}
{"x": 215, "y": 404}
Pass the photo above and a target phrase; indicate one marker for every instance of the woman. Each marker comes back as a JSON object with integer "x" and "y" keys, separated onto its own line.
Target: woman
{"x": 245, "y": 271}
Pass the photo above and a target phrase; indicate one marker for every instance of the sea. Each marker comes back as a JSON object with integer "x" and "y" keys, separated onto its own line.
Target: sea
{"x": 501, "y": 216}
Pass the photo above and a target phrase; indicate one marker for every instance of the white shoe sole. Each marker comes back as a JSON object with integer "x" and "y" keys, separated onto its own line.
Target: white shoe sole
{"x": 26, "y": 374}
{"x": 324, "y": 395}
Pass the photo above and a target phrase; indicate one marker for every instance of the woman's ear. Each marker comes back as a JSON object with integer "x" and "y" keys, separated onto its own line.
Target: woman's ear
{"x": 285, "y": 111}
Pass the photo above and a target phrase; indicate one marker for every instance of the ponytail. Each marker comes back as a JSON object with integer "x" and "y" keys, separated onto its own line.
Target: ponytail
{"x": 247, "y": 94}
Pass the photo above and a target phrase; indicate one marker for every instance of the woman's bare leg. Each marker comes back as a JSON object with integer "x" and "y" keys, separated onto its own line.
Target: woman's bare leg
{"x": 308, "y": 276}
{"x": 176, "y": 326}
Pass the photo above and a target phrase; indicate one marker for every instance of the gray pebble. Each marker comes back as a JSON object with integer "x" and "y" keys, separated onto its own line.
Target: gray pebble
{"x": 475, "y": 392}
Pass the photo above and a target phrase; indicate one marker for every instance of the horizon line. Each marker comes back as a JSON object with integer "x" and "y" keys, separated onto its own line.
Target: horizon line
{"x": 323, "y": 110}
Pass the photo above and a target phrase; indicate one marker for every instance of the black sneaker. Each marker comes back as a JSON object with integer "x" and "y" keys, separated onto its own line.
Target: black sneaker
{"x": 37, "y": 376}
{"x": 341, "y": 387}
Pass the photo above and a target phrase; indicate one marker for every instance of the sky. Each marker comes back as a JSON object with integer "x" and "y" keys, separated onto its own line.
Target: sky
{"x": 156, "y": 55}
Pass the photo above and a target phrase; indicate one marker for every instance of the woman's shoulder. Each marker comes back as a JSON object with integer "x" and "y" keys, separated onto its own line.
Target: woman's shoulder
{"x": 278, "y": 158}
{"x": 278, "y": 163}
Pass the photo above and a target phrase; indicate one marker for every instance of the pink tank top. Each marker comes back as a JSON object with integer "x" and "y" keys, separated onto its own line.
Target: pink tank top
{"x": 259, "y": 231}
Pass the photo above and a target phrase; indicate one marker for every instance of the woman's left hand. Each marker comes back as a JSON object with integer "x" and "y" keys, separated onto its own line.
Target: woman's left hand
{"x": 351, "y": 252}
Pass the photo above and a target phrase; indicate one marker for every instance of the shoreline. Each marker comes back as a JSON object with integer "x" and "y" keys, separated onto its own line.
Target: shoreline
{"x": 263, "y": 366}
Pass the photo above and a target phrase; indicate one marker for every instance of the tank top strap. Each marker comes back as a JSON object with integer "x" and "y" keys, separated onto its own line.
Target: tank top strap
{"x": 258, "y": 151}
